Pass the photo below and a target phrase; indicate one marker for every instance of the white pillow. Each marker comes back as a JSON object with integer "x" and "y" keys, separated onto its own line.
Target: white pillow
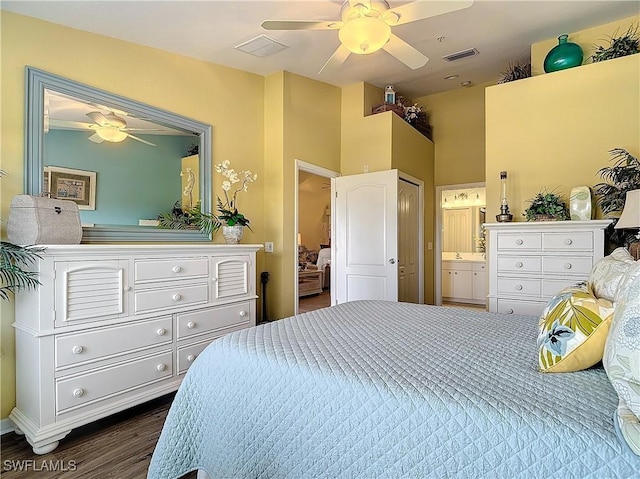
{"x": 607, "y": 274}
{"x": 622, "y": 356}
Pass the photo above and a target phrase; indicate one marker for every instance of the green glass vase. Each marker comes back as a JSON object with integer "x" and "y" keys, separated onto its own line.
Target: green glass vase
{"x": 564, "y": 55}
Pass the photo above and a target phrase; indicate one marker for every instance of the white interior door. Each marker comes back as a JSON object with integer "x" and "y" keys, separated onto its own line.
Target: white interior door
{"x": 366, "y": 237}
{"x": 408, "y": 236}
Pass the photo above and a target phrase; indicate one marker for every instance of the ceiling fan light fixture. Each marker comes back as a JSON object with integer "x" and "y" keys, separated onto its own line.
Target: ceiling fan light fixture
{"x": 365, "y": 34}
{"x": 110, "y": 133}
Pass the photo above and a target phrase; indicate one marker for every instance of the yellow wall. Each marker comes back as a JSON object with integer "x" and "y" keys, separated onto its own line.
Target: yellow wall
{"x": 457, "y": 121}
{"x": 587, "y": 39}
{"x": 162, "y": 79}
{"x": 554, "y": 131}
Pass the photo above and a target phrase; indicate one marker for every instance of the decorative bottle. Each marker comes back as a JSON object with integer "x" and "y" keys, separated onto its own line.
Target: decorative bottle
{"x": 564, "y": 55}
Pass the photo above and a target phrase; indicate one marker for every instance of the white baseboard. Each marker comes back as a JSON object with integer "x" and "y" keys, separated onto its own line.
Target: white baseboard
{"x": 6, "y": 426}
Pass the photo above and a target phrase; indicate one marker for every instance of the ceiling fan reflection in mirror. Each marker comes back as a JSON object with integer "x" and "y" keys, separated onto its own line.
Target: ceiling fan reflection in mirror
{"x": 107, "y": 127}
{"x": 365, "y": 27}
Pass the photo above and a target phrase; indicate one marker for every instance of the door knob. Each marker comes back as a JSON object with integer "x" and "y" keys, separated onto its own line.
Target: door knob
{"x": 392, "y": 261}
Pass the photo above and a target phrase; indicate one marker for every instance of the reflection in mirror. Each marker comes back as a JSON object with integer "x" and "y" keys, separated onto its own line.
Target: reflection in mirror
{"x": 122, "y": 161}
{"x": 463, "y": 212}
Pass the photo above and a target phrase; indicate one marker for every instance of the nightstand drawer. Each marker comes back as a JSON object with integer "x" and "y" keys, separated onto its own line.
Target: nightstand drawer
{"x": 519, "y": 264}
{"x": 175, "y": 297}
{"x": 100, "y": 384}
{"x": 77, "y": 348}
{"x": 519, "y": 286}
{"x": 171, "y": 269}
{"x": 578, "y": 241}
{"x": 520, "y": 241}
{"x": 568, "y": 264}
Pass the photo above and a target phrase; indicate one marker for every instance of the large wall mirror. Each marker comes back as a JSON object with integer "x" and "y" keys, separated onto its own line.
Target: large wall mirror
{"x": 123, "y": 162}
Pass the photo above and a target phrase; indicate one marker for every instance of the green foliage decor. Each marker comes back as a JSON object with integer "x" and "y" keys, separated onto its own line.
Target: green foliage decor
{"x": 627, "y": 44}
{"x": 547, "y": 204}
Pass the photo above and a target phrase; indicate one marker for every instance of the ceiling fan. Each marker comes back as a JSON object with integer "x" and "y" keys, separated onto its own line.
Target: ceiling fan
{"x": 365, "y": 27}
{"x": 107, "y": 127}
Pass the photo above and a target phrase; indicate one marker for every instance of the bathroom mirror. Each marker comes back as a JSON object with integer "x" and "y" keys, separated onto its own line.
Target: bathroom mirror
{"x": 463, "y": 213}
{"x": 123, "y": 162}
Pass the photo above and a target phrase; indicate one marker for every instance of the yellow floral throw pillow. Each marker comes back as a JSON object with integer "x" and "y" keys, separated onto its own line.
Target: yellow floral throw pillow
{"x": 573, "y": 330}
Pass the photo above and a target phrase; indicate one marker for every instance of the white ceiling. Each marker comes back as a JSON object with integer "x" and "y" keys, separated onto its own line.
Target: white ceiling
{"x": 502, "y": 31}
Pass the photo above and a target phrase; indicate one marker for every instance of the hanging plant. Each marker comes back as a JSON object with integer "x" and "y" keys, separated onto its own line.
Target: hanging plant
{"x": 627, "y": 44}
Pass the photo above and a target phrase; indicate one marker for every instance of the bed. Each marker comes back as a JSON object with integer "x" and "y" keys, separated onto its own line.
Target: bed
{"x": 374, "y": 389}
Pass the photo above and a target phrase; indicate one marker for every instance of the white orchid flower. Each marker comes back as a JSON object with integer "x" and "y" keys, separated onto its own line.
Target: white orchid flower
{"x": 226, "y": 186}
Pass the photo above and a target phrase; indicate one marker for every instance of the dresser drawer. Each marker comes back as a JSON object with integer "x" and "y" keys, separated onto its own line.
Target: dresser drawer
{"x": 103, "y": 383}
{"x": 519, "y": 264}
{"x": 519, "y": 286}
{"x": 568, "y": 264}
{"x": 520, "y": 241}
{"x": 578, "y": 241}
{"x": 100, "y": 343}
{"x": 171, "y": 269}
{"x": 552, "y": 286}
{"x": 188, "y": 354}
{"x": 527, "y": 308}
{"x": 174, "y": 297}
{"x": 213, "y": 319}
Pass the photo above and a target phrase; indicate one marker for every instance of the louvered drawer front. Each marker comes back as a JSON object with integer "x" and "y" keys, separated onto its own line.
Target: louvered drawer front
{"x": 212, "y": 319}
{"x": 580, "y": 241}
{"x": 231, "y": 278}
{"x": 171, "y": 297}
{"x": 520, "y": 264}
{"x": 519, "y": 286}
{"x": 552, "y": 286}
{"x": 105, "y": 342}
{"x": 91, "y": 291}
{"x": 520, "y": 241}
{"x": 529, "y": 308}
{"x": 568, "y": 264}
{"x": 188, "y": 354}
{"x": 178, "y": 268}
{"x": 103, "y": 383}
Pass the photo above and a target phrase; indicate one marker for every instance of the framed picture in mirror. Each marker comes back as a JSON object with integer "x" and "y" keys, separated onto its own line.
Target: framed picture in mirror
{"x": 70, "y": 184}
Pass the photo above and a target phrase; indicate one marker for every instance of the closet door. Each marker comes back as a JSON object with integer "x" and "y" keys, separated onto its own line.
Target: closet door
{"x": 366, "y": 230}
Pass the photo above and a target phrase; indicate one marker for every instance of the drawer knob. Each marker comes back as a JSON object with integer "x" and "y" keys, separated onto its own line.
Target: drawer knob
{"x": 77, "y": 349}
{"x": 568, "y": 242}
{"x": 176, "y": 297}
{"x": 519, "y": 287}
{"x": 567, "y": 266}
{"x": 161, "y": 332}
{"x": 177, "y": 269}
{"x": 214, "y": 279}
{"x": 127, "y": 288}
{"x": 519, "y": 264}
{"x": 78, "y": 392}
{"x": 161, "y": 367}
{"x": 243, "y": 313}
{"x": 509, "y": 311}
{"x": 191, "y": 358}
{"x": 191, "y": 324}
{"x": 519, "y": 242}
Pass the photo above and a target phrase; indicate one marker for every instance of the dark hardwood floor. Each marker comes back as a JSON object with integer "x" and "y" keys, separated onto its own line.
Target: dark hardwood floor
{"x": 315, "y": 301}
{"x": 117, "y": 447}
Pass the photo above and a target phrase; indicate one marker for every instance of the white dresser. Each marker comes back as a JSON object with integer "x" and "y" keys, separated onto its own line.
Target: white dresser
{"x": 530, "y": 262}
{"x": 116, "y": 325}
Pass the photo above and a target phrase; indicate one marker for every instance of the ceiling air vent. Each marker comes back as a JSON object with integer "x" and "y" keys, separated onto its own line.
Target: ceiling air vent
{"x": 471, "y": 52}
{"x": 261, "y": 46}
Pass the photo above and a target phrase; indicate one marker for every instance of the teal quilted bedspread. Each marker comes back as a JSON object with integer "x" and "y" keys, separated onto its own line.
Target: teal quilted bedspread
{"x": 374, "y": 389}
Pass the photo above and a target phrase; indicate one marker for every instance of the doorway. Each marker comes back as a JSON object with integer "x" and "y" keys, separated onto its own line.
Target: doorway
{"x": 459, "y": 244}
{"x": 313, "y": 229}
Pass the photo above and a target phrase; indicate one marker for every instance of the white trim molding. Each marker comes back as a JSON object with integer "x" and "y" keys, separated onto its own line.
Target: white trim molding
{"x": 6, "y": 426}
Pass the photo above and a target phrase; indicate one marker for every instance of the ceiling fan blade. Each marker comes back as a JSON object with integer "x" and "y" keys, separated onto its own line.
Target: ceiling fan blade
{"x": 96, "y": 138}
{"x": 337, "y": 59}
{"x": 140, "y": 139}
{"x": 418, "y": 10}
{"x": 301, "y": 25}
{"x": 140, "y": 129}
{"x": 98, "y": 117}
{"x": 70, "y": 125}
{"x": 405, "y": 53}
{"x": 364, "y": 3}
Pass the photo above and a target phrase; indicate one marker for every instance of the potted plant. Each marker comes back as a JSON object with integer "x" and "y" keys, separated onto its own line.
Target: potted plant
{"x": 626, "y": 44}
{"x": 546, "y": 206}
{"x": 620, "y": 178}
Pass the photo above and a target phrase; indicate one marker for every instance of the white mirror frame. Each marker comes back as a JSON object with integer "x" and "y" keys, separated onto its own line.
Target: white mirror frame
{"x": 38, "y": 81}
